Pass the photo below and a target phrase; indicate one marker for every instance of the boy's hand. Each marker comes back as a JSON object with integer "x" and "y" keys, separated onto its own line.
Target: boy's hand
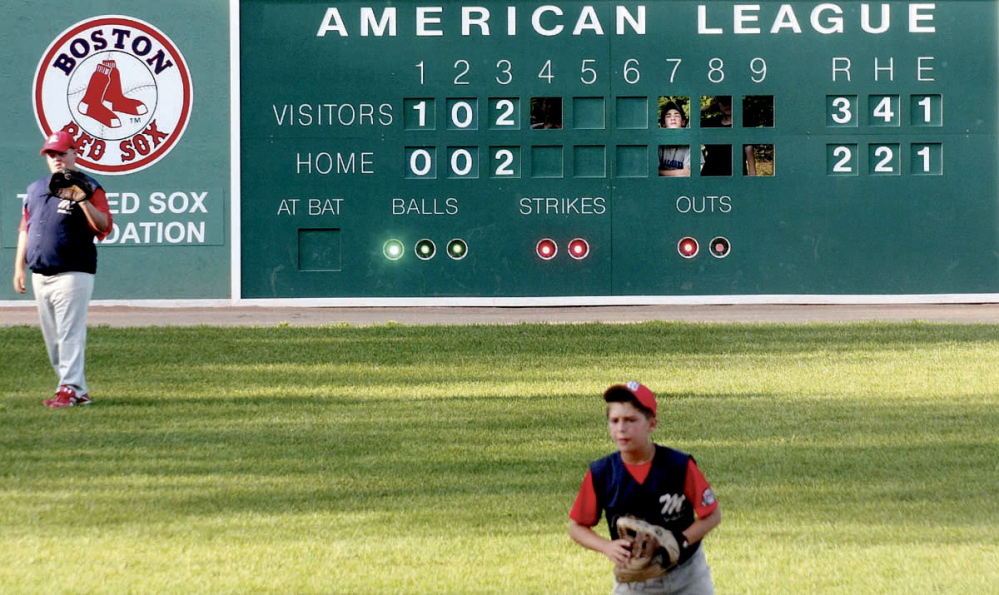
{"x": 618, "y": 551}
{"x": 647, "y": 542}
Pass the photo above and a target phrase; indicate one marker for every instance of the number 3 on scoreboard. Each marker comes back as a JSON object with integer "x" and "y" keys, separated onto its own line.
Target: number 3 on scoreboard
{"x": 841, "y": 110}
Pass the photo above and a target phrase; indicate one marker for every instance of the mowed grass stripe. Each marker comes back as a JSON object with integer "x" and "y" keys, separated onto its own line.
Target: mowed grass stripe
{"x": 402, "y": 459}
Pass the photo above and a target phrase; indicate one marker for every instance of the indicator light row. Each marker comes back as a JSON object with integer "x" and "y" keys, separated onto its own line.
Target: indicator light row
{"x": 578, "y": 248}
{"x": 425, "y": 249}
{"x": 719, "y": 247}
{"x": 688, "y": 247}
{"x": 546, "y": 248}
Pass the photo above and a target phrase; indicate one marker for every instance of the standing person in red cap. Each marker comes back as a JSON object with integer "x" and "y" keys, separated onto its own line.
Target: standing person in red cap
{"x": 56, "y": 242}
{"x": 658, "y": 505}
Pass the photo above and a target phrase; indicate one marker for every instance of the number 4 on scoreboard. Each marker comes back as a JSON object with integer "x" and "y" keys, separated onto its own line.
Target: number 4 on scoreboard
{"x": 884, "y": 111}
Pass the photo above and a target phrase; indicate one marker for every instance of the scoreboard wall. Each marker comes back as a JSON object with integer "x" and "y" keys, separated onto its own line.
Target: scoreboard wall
{"x": 676, "y": 149}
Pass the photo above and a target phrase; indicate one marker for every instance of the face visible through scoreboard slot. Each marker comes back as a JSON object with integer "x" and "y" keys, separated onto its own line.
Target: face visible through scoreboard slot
{"x": 674, "y": 111}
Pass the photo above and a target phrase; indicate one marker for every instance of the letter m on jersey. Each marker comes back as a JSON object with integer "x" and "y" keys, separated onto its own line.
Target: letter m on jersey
{"x": 672, "y": 503}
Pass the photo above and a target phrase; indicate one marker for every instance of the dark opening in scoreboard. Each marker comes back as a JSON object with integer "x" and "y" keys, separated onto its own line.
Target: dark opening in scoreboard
{"x": 517, "y": 149}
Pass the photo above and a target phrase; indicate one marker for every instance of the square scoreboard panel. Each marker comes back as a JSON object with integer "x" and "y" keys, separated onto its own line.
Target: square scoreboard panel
{"x": 520, "y": 149}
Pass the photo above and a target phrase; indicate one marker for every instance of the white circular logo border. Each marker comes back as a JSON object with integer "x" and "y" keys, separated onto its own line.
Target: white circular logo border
{"x": 173, "y": 53}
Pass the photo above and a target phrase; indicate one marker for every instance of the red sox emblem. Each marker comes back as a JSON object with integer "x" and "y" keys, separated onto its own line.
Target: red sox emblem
{"x": 120, "y": 87}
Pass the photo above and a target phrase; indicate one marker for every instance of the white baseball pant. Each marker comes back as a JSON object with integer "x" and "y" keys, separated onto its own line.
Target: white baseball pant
{"x": 63, "y": 302}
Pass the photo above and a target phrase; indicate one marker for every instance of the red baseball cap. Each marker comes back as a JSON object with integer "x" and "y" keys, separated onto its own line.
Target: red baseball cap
{"x": 636, "y": 389}
{"x": 60, "y": 142}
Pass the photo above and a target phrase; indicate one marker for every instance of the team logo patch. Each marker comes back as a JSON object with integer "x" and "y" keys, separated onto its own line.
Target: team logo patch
{"x": 120, "y": 87}
{"x": 707, "y": 498}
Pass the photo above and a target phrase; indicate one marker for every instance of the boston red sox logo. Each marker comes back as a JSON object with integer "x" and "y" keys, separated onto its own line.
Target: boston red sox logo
{"x": 120, "y": 87}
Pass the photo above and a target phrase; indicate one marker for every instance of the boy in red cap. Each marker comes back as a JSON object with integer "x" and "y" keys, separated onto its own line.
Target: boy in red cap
{"x": 652, "y": 485}
{"x": 56, "y": 242}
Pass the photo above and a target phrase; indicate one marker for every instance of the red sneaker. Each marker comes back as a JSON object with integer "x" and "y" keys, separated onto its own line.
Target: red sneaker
{"x": 66, "y": 397}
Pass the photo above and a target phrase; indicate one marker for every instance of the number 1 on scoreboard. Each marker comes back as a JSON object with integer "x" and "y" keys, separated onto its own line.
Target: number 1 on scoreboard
{"x": 418, "y": 114}
{"x": 927, "y": 159}
{"x": 926, "y": 110}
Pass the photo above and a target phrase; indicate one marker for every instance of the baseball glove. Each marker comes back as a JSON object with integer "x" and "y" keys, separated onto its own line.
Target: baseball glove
{"x": 654, "y": 550}
{"x": 70, "y": 185}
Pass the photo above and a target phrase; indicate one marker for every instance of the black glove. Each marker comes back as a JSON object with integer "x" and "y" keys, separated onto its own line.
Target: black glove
{"x": 70, "y": 185}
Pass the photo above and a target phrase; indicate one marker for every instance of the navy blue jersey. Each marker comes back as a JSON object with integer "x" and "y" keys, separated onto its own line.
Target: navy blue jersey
{"x": 60, "y": 238}
{"x": 660, "y": 500}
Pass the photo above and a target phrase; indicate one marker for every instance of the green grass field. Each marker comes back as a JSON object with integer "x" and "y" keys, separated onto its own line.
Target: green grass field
{"x": 856, "y": 458}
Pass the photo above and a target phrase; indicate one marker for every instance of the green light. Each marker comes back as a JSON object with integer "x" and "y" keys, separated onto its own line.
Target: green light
{"x": 457, "y": 249}
{"x": 425, "y": 249}
{"x": 393, "y": 249}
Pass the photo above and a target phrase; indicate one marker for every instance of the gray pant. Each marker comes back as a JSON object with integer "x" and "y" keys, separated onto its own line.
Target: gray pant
{"x": 693, "y": 577}
{"x": 63, "y": 301}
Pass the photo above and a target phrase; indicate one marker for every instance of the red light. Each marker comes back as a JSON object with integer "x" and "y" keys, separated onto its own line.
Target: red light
{"x": 547, "y": 249}
{"x": 579, "y": 248}
{"x": 687, "y": 247}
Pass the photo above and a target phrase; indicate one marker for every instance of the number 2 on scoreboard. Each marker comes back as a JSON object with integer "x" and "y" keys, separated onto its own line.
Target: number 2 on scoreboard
{"x": 841, "y": 160}
{"x": 504, "y": 162}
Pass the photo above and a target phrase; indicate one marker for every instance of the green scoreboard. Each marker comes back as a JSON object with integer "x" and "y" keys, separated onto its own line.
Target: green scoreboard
{"x": 618, "y": 149}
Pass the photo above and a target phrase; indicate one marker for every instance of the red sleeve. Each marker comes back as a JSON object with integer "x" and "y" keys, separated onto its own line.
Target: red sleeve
{"x": 24, "y": 219}
{"x": 100, "y": 201}
{"x": 698, "y": 492}
{"x": 584, "y": 510}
